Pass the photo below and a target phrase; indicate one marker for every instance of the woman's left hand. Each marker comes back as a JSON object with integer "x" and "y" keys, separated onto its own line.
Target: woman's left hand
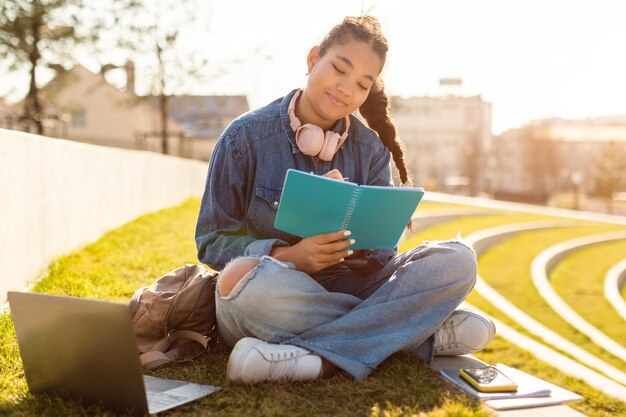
{"x": 314, "y": 253}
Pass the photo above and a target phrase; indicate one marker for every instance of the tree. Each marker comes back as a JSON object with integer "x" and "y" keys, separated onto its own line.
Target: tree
{"x": 609, "y": 172}
{"x": 155, "y": 38}
{"x": 40, "y": 35}
{"x": 36, "y": 34}
{"x": 167, "y": 40}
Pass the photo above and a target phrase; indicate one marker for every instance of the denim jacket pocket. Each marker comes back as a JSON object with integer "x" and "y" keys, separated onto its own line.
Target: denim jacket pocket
{"x": 263, "y": 212}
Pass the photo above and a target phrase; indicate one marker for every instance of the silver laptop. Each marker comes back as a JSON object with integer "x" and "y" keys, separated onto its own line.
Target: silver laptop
{"x": 85, "y": 349}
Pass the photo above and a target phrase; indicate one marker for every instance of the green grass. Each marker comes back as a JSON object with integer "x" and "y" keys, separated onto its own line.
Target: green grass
{"x": 579, "y": 280}
{"x": 128, "y": 257}
{"x": 466, "y": 225}
{"x": 506, "y": 267}
{"x": 137, "y": 253}
{"x": 426, "y": 205}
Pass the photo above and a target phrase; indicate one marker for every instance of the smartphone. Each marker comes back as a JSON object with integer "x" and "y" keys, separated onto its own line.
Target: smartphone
{"x": 488, "y": 379}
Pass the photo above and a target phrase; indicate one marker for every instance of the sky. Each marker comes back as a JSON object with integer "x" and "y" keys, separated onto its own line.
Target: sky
{"x": 531, "y": 59}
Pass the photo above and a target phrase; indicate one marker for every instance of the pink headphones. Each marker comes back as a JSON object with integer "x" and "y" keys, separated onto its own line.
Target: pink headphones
{"x": 311, "y": 139}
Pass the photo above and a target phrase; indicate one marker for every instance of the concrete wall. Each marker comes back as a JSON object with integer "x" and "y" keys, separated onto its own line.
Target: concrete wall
{"x": 57, "y": 195}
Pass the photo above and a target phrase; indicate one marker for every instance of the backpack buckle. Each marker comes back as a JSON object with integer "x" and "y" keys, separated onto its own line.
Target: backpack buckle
{"x": 168, "y": 334}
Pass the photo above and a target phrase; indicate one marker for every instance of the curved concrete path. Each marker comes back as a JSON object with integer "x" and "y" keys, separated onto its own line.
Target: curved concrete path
{"x": 525, "y": 208}
{"x": 426, "y": 218}
{"x": 546, "y": 261}
{"x": 613, "y": 283}
{"x": 488, "y": 237}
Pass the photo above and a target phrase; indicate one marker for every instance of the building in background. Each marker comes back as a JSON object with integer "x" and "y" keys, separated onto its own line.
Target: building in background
{"x": 507, "y": 166}
{"x": 81, "y": 105}
{"x": 204, "y": 118}
{"x": 447, "y": 138}
{"x": 544, "y": 157}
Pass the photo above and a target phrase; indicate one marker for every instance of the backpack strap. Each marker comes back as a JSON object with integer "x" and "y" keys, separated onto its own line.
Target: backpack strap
{"x": 162, "y": 354}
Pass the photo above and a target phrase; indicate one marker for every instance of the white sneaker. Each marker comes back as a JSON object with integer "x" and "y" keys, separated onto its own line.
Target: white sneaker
{"x": 465, "y": 331}
{"x": 253, "y": 360}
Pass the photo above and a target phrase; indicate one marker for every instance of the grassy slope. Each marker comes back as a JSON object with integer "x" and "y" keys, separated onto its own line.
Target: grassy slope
{"x": 579, "y": 280}
{"x": 501, "y": 267}
{"x": 507, "y": 269}
{"x": 135, "y": 254}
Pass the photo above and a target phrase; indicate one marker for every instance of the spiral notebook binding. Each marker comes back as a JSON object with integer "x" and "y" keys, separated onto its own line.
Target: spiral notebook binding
{"x": 354, "y": 198}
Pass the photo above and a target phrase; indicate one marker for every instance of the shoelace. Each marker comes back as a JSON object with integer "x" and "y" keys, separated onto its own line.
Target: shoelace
{"x": 283, "y": 365}
{"x": 447, "y": 334}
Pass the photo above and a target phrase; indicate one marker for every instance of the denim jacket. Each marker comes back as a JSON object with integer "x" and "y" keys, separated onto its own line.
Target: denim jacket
{"x": 245, "y": 180}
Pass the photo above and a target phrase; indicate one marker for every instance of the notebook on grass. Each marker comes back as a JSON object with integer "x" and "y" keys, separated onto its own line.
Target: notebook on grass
{"x": 531, "y": 391}
{"x": 312, "y": 205}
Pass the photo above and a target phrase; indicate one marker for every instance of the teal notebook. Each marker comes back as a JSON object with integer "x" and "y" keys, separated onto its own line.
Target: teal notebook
{"x": 312, "y": 205}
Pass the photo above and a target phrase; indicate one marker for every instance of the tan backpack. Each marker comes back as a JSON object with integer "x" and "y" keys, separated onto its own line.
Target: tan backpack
{"x": 173, "y": 317}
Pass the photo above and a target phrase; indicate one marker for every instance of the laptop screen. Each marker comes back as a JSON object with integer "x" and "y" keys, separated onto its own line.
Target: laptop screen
{"x": 79, "y": 348}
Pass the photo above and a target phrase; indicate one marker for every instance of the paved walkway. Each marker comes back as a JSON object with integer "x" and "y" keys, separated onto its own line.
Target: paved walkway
{"x": 613, "y": 283}
{"x": 423, "y": 219}
{"x": 525, "y": 208}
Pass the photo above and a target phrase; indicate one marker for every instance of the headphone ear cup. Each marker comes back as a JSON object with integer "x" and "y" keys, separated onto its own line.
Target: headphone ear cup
{"x": 310, "y": 139}
{"x": 329, "y": 148}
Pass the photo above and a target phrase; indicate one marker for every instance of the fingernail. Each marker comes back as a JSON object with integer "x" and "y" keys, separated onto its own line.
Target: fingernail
{"x": 341, "y": 260}
{"x": 350, "y": 252}
{"x": 352, "y": 241}
{"x": 347, "y": 233}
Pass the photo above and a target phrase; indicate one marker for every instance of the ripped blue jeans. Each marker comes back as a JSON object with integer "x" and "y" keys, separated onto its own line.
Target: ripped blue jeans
{"x": 397, "y": 308}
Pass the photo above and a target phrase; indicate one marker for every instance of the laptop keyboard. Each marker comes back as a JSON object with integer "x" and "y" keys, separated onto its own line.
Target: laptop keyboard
{"x": 161, "y": 399}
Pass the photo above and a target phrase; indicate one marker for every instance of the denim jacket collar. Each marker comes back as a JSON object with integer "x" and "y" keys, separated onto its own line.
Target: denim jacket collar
{"x": 291, "y": 136}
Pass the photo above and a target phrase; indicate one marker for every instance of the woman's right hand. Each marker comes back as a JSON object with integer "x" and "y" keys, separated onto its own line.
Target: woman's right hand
{"x": 334, "y": 174}
{"x": 317, "y": 252}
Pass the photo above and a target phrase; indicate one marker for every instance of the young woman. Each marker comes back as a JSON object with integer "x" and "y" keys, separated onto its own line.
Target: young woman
{"x": 299, "y": 309}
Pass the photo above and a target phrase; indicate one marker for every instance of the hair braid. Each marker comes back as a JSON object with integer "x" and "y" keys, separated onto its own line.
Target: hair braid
{"x": 375, "y": 110}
